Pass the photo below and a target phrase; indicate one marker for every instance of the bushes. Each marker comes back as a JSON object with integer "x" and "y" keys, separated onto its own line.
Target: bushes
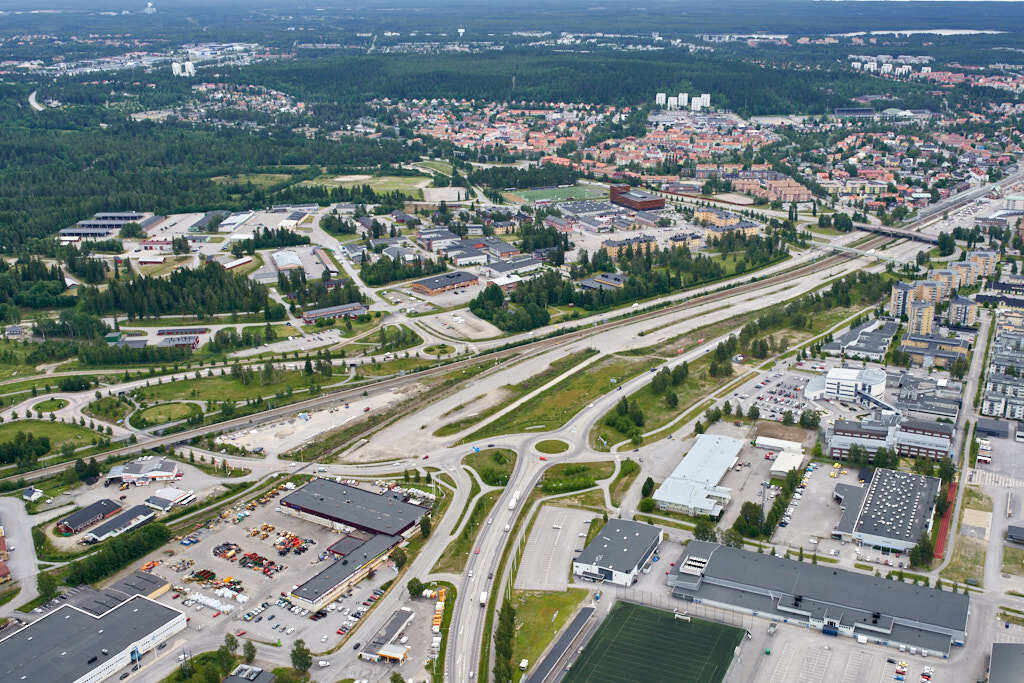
{"x": 117, "y": 553}
{"x": 503, "y": 637}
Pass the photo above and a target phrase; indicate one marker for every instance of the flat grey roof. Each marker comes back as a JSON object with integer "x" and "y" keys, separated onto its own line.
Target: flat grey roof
{"x": 99, "y": 601}
{"x": 830, "y": 585}
{"x": 58, "y": 646}
{"x": 543, "y": 670}
{"x": 457, "y": 277}
{"x": 851, "y": 498}
{"x": 387, "y": 633}
{"x": 322, "y": 583}
{"x": 1006, "y": 663}
{"x": 122, "y": 521}
{"x": 621, "y": 544}
{"x": 898, "y": 505}
{"x": 386, "y": 513}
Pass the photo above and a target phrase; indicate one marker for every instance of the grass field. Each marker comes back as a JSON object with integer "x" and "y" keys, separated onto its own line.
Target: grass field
{"x": 540, "y": 615}
{"x": 410, "y": 185}
{"x": 561, "y": 194}
{"x": 552, "y": 446}
{"x": 263, "y": 180}
{"x": 555, "y": 406}
{"x": 457, "y": 553}
{"x": 163, "y": 413}
{"x": 968, "y": 561}
{"x": 50, "y": 405}
{"x": 494, "y": 465}
{"x": 223, "y": 388}
{"x": 58, "y": 432}
{"x": 110, "y": 408}
{"x": 638, "y": 643}
{"x": 1013, "y": 560}
{"x": 443, "y": 167}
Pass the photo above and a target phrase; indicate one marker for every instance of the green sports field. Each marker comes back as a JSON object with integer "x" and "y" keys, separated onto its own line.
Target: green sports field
{"x": 561, "y": 194}
{"x": 637, "y": 643}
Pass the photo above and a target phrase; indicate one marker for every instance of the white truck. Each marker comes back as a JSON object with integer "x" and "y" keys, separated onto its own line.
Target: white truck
{"x": 483, "y": 598}
{"x": 515, "y": 500}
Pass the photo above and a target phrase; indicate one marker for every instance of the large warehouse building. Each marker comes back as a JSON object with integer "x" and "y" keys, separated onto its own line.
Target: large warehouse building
{"x": 693, "y": 487}
{"x": 71, "y": 645}
{"x": 372, "y": 525}
{"x": 618, "y": 552}
{"x": 820, "y": 596}
{"x": 893, "y": 511}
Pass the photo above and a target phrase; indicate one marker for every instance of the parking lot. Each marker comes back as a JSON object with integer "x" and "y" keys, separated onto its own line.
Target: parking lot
{"x": 556, "y": 536}
{"x": 774, "y": 394}
{"x": 295, "y": 342}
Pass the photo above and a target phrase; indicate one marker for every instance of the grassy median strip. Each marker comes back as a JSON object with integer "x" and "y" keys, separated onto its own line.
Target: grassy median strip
{"x": 474, "y": 488}
{"x": 540, "y": 615}
{"x": 457, "y": 553}
{"x": 555, "y": 406}
{"x": 513, "y": 392}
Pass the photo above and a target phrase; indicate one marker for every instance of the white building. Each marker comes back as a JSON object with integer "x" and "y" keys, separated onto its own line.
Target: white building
{"x": 659, "y": 99}
{"x": 618, "y": 553}
{"x": 845, "y": 383}
{"x": 693, "y": 487}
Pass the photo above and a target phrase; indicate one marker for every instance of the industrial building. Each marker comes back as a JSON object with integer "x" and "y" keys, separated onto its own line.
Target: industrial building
{"x": 906, "y": 436}
{"x": 926, "y": 349}
{"x": 821, "y": 596}
{"x": 72, "y": 645}
{"x": 81, "y": 519}
{"x": 892, "y": 512}
{"x": 438, "y": 284}
{"x": 130, "y": 519}
{"x": 618, "y": 553}
{"x": 372, "y": 523}
{"x": 343, "y": 508}
{"x": 144, "y": 471}
{"x": 693, "y": 486}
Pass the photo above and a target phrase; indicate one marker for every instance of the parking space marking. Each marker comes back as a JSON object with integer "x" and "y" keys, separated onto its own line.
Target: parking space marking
{"x": 780, "y": 673}
{"x": 814, "y": 664}
{"x": 985, "y": 478}
{"x": 856, "y": 668}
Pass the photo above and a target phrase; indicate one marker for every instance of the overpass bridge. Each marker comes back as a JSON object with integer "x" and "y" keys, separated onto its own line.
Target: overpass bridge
{"x": 901, "y": 233}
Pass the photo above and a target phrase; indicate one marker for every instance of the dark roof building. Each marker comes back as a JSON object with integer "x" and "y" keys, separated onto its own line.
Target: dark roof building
{"x": 340, "y": 505}
{"x": 131, "y": 518}
{"x": 895, "y": 511}
{"x": 353, "y": 310}
{"x": 444, "y": 282}
{"x": 834, "y": 600}
{"x": 355, "y": 554}
{"x": 1006, "y": 663}
{"x": 994, "y": 428}
{"x": 618, "y": 552}
{"x": 1015, "y": 533}
{"x": 87, "y": 516}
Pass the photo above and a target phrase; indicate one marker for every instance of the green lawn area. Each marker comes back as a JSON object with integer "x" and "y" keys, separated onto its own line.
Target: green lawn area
{"x": 458, "y": 551}
{"x": 590, "y": 500}
{"x": 1013, "y": 560}
{"x": 540, "y": 615}
{"x": 410, "y": 185}
{"x": 50, "y": 405}
{"x": 513, "y": 392}
{"x": 561, "y": 194}
{"x": 657, "y": 412}
{"x": 109, "y": 408}
{"x": 166, "y": 268}
{"x": 393, "y": 367}
{"x": 976, "y": 500}
{"x": 443, "y": 167}
{"x": 637, "y": 643}
{"x": 262, "y": 180}
{"x": 627, "y": 474}
{"x": 494, "y": 465}
{"x": 439, "y": 350}
{"x": 58, "y": 432}
{"x": 163, "y": 413}
{"x": 968, "y": 561}
{"x": 815, "y": 228}
{"x": 555, "y": 406}
{"x": 570, "y": 476}
{"x": 223, "y": 388}
{"x": 552, "y": 446}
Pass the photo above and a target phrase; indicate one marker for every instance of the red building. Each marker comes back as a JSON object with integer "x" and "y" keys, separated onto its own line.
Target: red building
{"x": 631, "y": 198}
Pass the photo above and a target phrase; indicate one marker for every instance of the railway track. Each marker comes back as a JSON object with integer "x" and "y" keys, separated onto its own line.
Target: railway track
{"x": 531, "y": 348}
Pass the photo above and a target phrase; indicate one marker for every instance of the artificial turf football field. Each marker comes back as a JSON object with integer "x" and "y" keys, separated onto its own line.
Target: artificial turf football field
{"x": 637, "y": 643}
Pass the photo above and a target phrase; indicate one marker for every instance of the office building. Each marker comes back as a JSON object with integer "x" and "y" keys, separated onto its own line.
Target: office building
{"x": 618, "y": 553}
{"x": 847, "y": 384}
{"x": 634, "y": 199}
{"x": 892, "y": 512}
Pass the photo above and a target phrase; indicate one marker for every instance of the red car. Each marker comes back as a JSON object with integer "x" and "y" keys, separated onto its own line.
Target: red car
{"x": 175, "y": 596}
{"x": 426, "y": 457}
{"x": 216, "y": 614}
{"x": 240, "y": 633}
{"x": 543, "y": 458}
{"x": 477, "y": 551}
{"x": 340, "y": 632}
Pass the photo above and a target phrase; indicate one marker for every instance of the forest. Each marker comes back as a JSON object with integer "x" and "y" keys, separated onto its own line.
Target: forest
{"x": 650, "y": 273}
{"x": 386, "y": 270}
{"x": 199, "y": 292}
